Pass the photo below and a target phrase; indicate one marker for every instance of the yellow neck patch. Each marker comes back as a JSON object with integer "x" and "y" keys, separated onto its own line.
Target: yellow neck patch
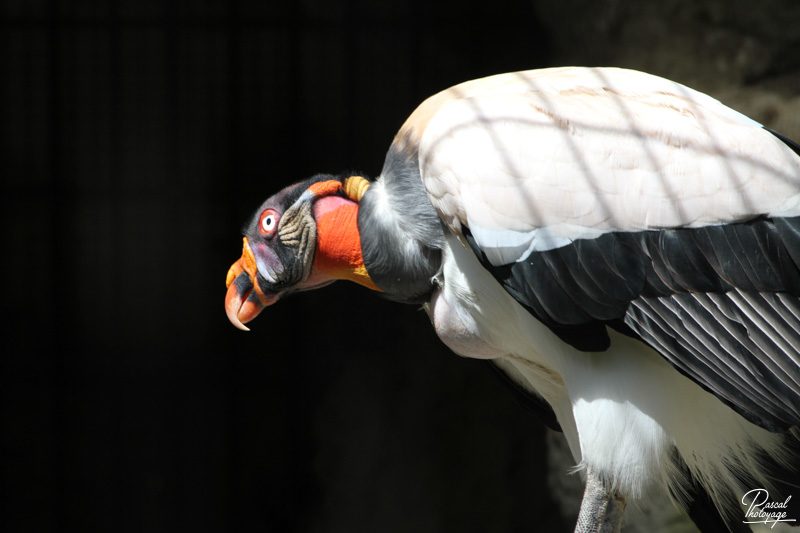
{"x": 355, "y": 187}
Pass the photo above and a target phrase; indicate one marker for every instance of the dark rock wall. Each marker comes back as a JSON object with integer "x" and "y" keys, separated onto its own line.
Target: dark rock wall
{"x": 744, "y": 54}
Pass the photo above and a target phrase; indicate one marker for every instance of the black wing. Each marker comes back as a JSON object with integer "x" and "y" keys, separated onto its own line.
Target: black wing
{"x": 720, "y": 303}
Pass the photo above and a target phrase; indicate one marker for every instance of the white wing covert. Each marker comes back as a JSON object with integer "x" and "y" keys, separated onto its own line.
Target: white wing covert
{"x": 539, "y": 163}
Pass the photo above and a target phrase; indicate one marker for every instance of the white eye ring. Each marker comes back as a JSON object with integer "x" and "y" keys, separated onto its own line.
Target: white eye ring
{"x": 268, "y": 223}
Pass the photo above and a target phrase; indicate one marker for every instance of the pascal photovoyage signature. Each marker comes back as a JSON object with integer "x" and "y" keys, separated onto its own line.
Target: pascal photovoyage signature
{"x": 761, "y": 510}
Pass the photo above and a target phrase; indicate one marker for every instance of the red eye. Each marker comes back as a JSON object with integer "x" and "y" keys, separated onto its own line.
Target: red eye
{"x": 268, "y": 223}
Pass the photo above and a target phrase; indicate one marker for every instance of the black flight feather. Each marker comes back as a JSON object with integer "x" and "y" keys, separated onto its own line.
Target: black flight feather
{"x": 720, "y": 303}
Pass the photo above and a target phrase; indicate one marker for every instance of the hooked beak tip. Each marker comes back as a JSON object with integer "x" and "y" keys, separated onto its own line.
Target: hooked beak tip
{"x": 233, "y": 304}
{"x": 241, "y": 302}
{"x": 244, "y": 300}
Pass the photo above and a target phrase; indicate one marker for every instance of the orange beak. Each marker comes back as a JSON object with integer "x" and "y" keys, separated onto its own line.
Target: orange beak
{"x": 245, "y": 299}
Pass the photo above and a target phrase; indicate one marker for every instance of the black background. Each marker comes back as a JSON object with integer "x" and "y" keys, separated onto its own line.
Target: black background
{"x": 136, "y": 139}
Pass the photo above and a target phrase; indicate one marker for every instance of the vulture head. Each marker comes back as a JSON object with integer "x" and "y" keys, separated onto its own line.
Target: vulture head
{"x": 302, "y": 238}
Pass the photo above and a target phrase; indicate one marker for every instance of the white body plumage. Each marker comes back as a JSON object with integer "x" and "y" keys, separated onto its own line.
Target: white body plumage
{"x": 535, "y": 161}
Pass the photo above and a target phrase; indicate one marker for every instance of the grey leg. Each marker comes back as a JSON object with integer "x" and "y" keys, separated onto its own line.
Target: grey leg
{"x": 601, "y": 508}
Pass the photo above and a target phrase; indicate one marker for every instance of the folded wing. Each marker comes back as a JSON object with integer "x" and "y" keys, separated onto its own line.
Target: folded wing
{"x": 606, "y": 197}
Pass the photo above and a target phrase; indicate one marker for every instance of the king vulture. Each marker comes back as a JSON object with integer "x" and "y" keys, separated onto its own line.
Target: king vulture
{"x": 624, "y": 249}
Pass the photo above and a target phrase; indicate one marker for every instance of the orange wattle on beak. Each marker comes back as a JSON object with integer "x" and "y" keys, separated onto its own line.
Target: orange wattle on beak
{"x": 245, "y": 299}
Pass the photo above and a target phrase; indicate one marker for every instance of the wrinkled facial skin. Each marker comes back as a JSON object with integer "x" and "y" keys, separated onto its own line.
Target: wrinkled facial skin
{"x": 277, "y": 255}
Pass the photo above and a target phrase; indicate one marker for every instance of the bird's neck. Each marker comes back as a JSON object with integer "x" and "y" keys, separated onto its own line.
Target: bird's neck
{"x": 338, "y": 252}
{"x": 401, "y": 234}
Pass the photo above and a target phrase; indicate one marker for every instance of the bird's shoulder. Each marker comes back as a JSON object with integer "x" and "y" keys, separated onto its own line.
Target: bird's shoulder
{"x": 539, "y": 161}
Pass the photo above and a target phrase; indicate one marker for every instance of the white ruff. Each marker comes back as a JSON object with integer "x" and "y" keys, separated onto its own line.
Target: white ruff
{"x": 625, "y": 412}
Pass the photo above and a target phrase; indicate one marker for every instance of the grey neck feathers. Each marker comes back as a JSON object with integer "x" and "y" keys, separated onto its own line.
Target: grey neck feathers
{"x": 401, "y": 234}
